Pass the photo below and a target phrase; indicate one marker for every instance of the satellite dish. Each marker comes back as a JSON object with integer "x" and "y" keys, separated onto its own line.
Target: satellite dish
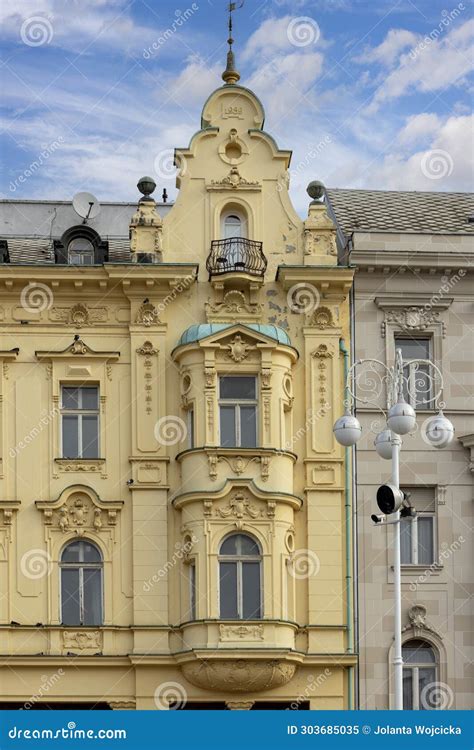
{"x": 86, "y": 205}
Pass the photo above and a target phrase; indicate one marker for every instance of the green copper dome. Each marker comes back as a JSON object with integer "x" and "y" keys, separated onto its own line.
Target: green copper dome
{"x": 202, "y": 330}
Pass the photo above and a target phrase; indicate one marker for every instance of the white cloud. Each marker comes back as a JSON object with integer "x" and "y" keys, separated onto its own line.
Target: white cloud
{"x": 432, "y": 67}
{"x": 419, "y": 128}
{"x": 388, "y": 51}
{"x": 448, "y": 159}
{"x": 75, "y": 26}
{"x": 274, "y": 36}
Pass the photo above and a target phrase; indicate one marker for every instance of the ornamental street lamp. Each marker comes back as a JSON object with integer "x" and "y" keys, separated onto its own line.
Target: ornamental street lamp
{"x": 375, "y": 381}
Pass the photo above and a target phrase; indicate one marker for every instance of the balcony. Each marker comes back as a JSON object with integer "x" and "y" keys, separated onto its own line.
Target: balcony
{"x": 236, "y": 255}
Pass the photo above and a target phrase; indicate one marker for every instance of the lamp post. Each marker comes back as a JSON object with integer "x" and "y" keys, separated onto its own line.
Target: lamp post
{"x": 376, "y": 382}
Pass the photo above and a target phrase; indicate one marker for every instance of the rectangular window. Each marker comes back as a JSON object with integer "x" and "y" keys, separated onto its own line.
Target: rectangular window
{"x": 191, "y": 428}
{"x": 238, "y": 411}
{"x": 417, "y": 387}
{"x": 228, "y": 590}
{"x": 80, "y": 421}
{"x": 417, "y": 535}
{"x": 192, "y": 591}
{"x": 81, "y": 259}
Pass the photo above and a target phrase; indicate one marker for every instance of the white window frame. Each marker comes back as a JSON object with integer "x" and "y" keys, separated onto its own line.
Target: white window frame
{"x": 80, "y": 255}
{"x": 239, "y": 560}
{"x": 81, "y": 566}
{"x": 415, "y": 677}
{"x": 410, "y": 369}
{"x": 237, "y": 404}
{"x": 414, "y": 537}
{"x": 243, "y": 222}
{"x": 80, "y": 413}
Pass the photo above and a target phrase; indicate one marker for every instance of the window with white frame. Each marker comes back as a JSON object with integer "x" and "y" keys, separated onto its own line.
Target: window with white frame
{"x": 240, "y": 572}
{"x": 417, "y": 535}
{"x": 81, "y": 570}
{"x": 81, "y": 252}
{"x": 80, "y": 421}
{"x": 420, "y": 673}
{"x": 232, "y": 226}
{"x": 238, "y": 411}
{"x": 417, "y": 385}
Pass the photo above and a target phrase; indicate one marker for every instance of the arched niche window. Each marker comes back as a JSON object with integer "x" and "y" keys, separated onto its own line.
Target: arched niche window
{"x": 240, "y": 578}
{"x": 81, "y": 570}
{"x": 420, "y": 673}
{"x": 81, "y": 246}
{"x": 233, "y": 223}
{"x": 232, "y": 226}
{"x": 80, "y": 252}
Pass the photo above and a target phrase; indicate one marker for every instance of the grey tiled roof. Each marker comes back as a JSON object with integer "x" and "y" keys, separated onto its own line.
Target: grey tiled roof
{"x": 40, "y": 250}
{"x": 396, "y": 211}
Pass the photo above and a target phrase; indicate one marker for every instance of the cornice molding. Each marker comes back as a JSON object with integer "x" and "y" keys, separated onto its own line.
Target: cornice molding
{"x": 78, "y": 348}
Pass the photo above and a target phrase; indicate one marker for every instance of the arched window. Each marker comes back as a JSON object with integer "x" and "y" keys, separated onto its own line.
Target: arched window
{"x": 80, "y": 252}
{"x": 420, "y": 673}
{"x": 81, "y": 584}
{"x": 232, "y": 226}
{"x": 240, "y": 588}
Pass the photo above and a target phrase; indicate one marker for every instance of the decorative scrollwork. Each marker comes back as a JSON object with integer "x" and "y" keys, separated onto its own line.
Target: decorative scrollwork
{"x": 371, "y": 383}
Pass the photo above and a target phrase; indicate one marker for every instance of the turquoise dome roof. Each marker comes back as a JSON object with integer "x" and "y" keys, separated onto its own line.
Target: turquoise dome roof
{"x": 202, "y": 330}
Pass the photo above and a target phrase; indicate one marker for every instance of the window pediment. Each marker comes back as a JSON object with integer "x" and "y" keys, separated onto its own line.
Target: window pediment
{"x": 78, "y": 348}
{"x": 79, "y": 510}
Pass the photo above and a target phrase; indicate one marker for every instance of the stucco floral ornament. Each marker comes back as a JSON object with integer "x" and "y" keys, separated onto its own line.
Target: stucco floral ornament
{"x": 238, "y": 349}
{"x": 147, "y": 315}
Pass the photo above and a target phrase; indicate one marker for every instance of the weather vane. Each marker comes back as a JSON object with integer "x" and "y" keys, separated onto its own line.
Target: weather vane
{"x": 230, "y": 74}
{"x": 232, "y": 7}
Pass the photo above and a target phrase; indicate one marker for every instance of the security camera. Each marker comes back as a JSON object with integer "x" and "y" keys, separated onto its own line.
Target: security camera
{"x": 390, "y": 498}
{"x": 378, "y": 519}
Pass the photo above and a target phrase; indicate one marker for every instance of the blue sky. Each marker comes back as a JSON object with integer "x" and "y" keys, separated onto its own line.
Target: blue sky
{"x": 96, "y": 93}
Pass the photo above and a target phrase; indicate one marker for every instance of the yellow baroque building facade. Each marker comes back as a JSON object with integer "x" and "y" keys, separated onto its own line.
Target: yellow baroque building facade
{"x": 175, "y": 514}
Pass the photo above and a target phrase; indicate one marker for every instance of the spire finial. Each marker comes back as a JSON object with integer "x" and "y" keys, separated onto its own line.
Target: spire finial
{"x": 230, "y": 74}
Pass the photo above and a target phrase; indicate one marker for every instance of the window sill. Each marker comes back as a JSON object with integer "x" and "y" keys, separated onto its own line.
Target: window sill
{"x": 235, "y": 451}
{"x": 80, "y": 464}
{"x": 415, "y": 570}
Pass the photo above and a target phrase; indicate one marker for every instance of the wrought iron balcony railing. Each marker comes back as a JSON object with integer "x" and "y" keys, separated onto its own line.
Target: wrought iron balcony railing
{"x": 236, "y": 254}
